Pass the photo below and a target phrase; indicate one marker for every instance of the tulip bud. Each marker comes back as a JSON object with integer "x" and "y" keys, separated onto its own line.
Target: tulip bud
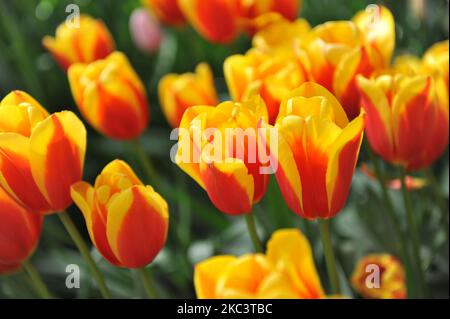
{"x": 167, "y": 11}
{"x": 145, "y": 31}
{"x": 286, "y": 271}
{"x": 19, "y": 232}
{"x": 41, "y": 155}
{"x": 110, "y": 96}
{"x": 317, "y": 151}
{"x": 126, "y": 220}
{"x": 379, "y": 276}
{"x": 179, "y": 92}
{"x": 407, "y": 118}
{"x": 86, "y": 42}
{"x": 218, "y": 147}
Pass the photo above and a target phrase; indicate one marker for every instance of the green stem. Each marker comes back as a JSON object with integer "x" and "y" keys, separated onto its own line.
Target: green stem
{"x": 440, "y": 199}
{"x": 147, "y": 283}
{"x": 414, "y": 234}
{"x": 79, "y": 242}
{"x": 324, "y": 225}
{"x": 38, "y": 283}
{"x": 251, "y": 226}
{"x": 146, "y": 163}
{"x": 395, "y": 223}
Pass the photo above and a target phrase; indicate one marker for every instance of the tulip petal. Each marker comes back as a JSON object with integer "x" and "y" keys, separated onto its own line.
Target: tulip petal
{"x": 19, "y": 232}
{"x": 344, "y": 82}
{"x": 57, "y": 149}
{"x": 83, "y": 196}
{"x": 15, "y": 172}
{"x": 229, "y": 185}
{"x": 379, "y": 119}
{"x": 342, "y": 164}
{"x": 137, "y": 225}
{"x": 412, "y": 111}
{"x": 242, "y": 277}
{"x": 207, "y": 273}
{"x": 291, "y": 254}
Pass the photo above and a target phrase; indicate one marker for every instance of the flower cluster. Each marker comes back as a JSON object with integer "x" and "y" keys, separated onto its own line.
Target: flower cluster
{"x": 301, "y": 99}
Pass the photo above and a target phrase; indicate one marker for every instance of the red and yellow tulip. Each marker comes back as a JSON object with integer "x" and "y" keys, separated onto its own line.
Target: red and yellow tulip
{"x": 222, "y": 20}
{"x": 379, "y": 276}
{"x": 317, "y": 151}
{"x": 87, "y": 42}
{"x": 336, "y": 51}
{"x": 126, "y": 220}
{"x": 167, "y": 11}
{"x": 407, "y": 118}
{"x": 272, "y": 76}
{"x": 287, "y": 270}
{"x": 19, "y": 232}
{"x": 110, "y": 96}
{"x": 218, "y": 147}
{"x": 41, "y": 155}
{"x": 179, "y": 92}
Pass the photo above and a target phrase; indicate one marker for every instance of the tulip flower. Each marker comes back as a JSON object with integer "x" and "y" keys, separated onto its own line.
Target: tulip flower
{"x": 218, "y": 147}
{"x": 41, "y": 155}
{"x": 19, "y": 232}
{"x": 86, "y": 42}
{"x": 407, "y": 118}
{"x": 126, "y": 220}
{"x": 379, "y": 276}
{"x": 179, "y": 92}
{"x": 167, "y": 11}
{"x": 146, "y": 31}
{"x": 338, "y": 53}
{"x": 287, "y": 270}
{"x": 221, "y": 21}
{"x": 272, "y": 76}
{"x": 110, "y": 96}
{"x": 317, "y": 151}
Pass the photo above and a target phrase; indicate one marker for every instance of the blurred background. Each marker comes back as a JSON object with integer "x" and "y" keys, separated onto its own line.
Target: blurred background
{"x": 197, "y": 229}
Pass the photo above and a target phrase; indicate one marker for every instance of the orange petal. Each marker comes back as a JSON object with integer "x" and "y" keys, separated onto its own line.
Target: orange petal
{"x": 137, "y": 225}
{"x": 57, "y": 149}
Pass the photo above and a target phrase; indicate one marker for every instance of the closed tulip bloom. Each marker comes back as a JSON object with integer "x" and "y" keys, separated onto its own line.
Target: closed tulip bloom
{"x": 317, "y": 151}
{"x": 407, "y": 118}
{"x": 218, "y": 147}
{"x": 179, "y": 92}
{"x": 167, "y": 11}
{"x": 111, "y": 96}
{"x": 287, "y": 270}
{"x": 126, "y": 220}
{"x": 19, "y": 232}
{"x": 221, "y": 21}
{"x": 146, "y": 31}
{"x": 41, "y": 155}
{"x": 86, "y": 42}
{"x": 379, "y": 276}
{"x": 272, "y": 76}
